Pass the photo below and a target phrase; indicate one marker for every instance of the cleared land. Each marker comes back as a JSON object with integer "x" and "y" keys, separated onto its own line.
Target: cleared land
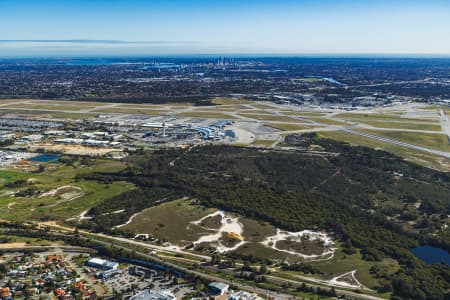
{"x": 206, "y": 115}
{"x": 358, "y": 117}
{"x": 37, "y": 205}
{"x": 434, "y": 141}
{"x": 127, "y": 110}
{"x": 269, "y": 117}
{"x": 263, "y": 143}
{"x": 421, "y": 158}
{"x": 158, "y": 222}
{"x": 405, "y": 125}
{"x": 290, "y": 127}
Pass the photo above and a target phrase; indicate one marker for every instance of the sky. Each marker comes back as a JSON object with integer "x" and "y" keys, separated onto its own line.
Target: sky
{"x": 174, "y": 27}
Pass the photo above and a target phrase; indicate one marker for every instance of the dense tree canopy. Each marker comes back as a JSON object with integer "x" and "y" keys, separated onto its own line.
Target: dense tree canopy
{"x": 362, "y": 195}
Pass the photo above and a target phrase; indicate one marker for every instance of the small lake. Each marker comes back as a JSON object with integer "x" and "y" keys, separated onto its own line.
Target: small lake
{"x": 431, "y": 255}
{"x": 45, "y": 158}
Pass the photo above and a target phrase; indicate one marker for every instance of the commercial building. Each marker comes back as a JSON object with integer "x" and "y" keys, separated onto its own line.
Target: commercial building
{"x": 218, "y": 288}
{"x": 30, "y": 138}
{"x": 102, "y": 263}
{"x": 154, "y": 295}
{"x": 242, "y": 295}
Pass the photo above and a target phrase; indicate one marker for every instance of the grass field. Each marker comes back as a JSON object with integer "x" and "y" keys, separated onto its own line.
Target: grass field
{"x": 327, "y": 121}
{"x": 404, "y": 125}
{"x": 263, "y": 143}
{"x": 303, "y": 113}
{"x": 158, "y": 221}
{"x": 290, "y": 127}
{"x": 269, "y": 117}
{"x": 49, "y": 114}
{"x": 358, "y": 117}
{"x": 18, "y": 241}
{"x": 262, "y": 106}
{"x": 434, "y": 141}
{"x": 206, "y": 115}
{"x": 415, "y": 156}
{"x": 229, "y": 101}
{"x": 343, "y": 263}
{"x": 127, "y": 110}
{"x": 55, "y": 207}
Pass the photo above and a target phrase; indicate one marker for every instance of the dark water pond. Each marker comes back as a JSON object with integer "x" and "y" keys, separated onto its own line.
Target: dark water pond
{"x": 431, "y": 255}
{"x": 45, "y": 158}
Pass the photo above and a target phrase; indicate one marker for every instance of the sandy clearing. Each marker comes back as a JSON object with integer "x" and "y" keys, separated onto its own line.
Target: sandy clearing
{"x": 281, "y": 235}
{"x": 228, "y": 224}
{"x": 12, "y": 245}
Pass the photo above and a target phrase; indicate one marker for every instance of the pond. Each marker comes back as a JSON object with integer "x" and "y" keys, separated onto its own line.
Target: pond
{"x": 431, "y": 255}
{"x": 45, "y": 158}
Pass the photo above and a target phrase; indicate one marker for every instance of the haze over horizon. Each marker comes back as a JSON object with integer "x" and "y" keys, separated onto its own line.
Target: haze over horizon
{"x": 119, "y": 27}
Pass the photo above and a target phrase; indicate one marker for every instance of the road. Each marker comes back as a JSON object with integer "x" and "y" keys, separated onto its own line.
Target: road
{"x": 209, "y": 277}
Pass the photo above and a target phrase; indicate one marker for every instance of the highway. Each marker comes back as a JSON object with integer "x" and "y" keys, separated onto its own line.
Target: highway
{"x": 202, "y": 274}
{"x": 246, "y": 287}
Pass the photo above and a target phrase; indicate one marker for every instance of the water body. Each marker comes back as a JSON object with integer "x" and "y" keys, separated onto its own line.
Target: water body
{"x": 431, "y": 255}
{"x": 332, "y": 80}
{"x": 329, "y": 79}
{"x": 45, "y": 158}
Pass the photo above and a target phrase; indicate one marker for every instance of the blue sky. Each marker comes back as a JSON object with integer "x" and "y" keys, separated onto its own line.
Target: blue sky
{"x": 155, "y": 27}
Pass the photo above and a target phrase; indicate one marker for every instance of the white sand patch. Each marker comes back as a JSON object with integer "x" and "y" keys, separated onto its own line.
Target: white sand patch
{"x": 337, "y": 281}
{"x": 53, "y": 192}
{"x": 81, "y": 217}
{"x": 228, "y": 224}
{"x": 297, "y": 237}
{"x": 114, "y": 212}
{"x": 129, "y": 220}
{"x": 142, "y": 235}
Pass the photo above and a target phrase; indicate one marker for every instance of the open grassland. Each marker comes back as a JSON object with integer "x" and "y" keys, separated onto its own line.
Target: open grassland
{"x": 262, "y": 106}
{"x": 263, "y": 143}
{"x": 256, "y": 231}
{"x": 359, "y": 117}
{"x": 290, "y": 127}
{"x": 404, "y": 125}
{"x": 429, "y": 140}
{"x": 49, "y": 114}
{"x": 46, "y": 203}
{"x": 127, "y": 110}
{"x": 326, "y": 121}
{"x": 269, "y": 117}
{"x": 303, "y": 113}
{"x": 416, "y": 156}
{"x": 51, "y": 106}
{"x": 230, "y": 101}
{"x": 12, "y": 241}
{"x": 158, "y": 221}
{"x": 205, "y": 115}
{"x": 343, "y": 263}
{"x": 310, "y": 79}
{"x": 8, "y": 101}
{"x": 224, "y": 108}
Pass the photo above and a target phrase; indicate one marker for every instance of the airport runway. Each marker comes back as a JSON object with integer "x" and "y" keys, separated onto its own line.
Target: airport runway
{"x": 398, "y": 143}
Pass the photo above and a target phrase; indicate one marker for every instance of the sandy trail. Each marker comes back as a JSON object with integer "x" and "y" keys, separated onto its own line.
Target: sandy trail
{"x": 337, "y": 282}
{"x": 281, "y": 235}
